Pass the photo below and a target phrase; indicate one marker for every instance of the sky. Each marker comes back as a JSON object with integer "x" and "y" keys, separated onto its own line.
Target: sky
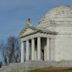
{"x": 14, "y": 13}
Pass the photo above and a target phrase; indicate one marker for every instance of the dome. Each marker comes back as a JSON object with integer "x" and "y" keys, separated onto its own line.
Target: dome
{"x": 61, "y": 15}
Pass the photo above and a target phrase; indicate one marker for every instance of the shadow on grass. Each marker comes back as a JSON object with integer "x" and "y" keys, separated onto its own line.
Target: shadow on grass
{"x": 52, "y": 69}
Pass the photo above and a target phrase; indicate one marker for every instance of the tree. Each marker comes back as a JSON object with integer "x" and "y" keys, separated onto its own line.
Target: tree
{"x": 1, "y": 52}
{"x": 11, "y": 52}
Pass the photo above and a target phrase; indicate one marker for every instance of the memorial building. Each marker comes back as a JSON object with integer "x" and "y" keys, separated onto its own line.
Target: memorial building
{"x": 50, "y": 39}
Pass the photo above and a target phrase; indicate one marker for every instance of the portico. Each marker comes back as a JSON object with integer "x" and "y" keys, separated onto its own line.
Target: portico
{"x": 35, "y": 46}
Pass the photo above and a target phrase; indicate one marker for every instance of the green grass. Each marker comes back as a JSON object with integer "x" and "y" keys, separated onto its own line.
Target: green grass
{"x": 53, "y": 69}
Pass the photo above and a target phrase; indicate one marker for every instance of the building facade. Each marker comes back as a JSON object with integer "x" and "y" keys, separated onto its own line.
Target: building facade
{"x": 51, "y": 39}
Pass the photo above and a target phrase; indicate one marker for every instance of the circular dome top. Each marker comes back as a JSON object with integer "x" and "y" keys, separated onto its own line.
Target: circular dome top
{"x": 58, "y": 15}
{"x": 63, "y": 11}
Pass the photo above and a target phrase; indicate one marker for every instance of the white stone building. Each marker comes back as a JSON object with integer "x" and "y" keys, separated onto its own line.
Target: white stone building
{"x": 51, "y": 39}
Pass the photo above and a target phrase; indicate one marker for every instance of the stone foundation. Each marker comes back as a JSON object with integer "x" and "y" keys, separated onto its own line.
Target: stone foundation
{"x": 24, "y": 67}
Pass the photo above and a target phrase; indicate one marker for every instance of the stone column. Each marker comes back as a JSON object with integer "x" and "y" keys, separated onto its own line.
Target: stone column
{"x": 45, "y": 53}
{"x": 47, "y": 50}
{"x": 22, "y": 52}
{"x": 52, "y": 49}
{"x": 39, "y": 48}
{"x": 33, "y": 48}
{"x": 27, "y": 50}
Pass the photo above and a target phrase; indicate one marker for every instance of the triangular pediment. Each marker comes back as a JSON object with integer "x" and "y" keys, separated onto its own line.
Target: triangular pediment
{"x": 27, "y": 31}
{"x": 32, "y": 30}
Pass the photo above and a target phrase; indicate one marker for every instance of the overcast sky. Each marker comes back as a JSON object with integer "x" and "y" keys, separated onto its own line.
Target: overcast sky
{"x": 13, "y": 13}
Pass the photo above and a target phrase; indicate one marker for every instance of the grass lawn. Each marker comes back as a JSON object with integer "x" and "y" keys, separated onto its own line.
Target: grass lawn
{"x": 53, "y": 69}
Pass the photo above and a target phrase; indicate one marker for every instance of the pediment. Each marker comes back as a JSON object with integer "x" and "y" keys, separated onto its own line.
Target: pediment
{"x": 33, "y": 30}
{"x": 27, "y": 31}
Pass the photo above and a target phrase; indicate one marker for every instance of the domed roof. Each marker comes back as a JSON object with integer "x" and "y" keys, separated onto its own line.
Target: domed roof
{"x": 59, "y": 15}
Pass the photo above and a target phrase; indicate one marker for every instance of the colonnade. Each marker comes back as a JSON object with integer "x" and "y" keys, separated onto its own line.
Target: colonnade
{"x": 46, "y": 53}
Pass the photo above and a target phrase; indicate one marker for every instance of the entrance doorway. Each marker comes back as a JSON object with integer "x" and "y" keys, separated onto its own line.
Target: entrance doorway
{"x": 43, "y": 45}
